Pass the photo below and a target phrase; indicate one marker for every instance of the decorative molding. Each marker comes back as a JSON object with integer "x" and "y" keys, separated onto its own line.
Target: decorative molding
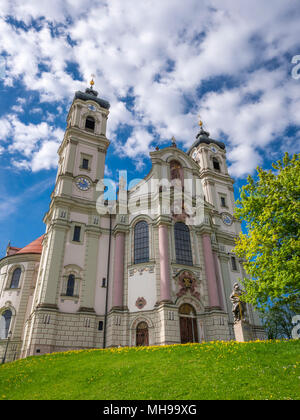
{"x": 86, "y": 310}
{"x": 140, "y": 303}
{"x": 140, "y": 270}
{"x": 187, "y": 283}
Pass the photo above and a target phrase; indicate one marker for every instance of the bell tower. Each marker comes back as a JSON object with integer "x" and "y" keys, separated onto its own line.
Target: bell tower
{"x": 83, "y": 150}
{"x": 69, "y": 272}
{"x": 217, "y": 185}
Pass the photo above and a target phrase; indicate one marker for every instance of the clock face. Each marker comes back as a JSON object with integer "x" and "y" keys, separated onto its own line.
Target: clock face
{"x": 213, "y": 149}
{"x": 227, "y": 219}
{"x": 83, "y": 184}
{"x": 92, "y": 108}
{"x": 194, "y": 155}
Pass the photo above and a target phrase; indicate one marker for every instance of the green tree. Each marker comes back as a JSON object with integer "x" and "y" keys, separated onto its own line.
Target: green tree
{"x": 278, "y": 320}
{"x": 270, "y": 206}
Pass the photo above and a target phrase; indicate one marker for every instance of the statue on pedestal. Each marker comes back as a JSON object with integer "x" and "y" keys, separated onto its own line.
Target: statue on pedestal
{"x": 238, "y": 307}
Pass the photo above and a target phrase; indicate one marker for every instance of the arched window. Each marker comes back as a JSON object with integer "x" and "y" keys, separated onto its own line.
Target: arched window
{"x": 183, "y": 244}
{"x": 90, "y": 123}
{"x": 14, "y": 284}
{"x": 5, "y": 321}
{"x": 175, "y": 170}
{"x": 141, "y": 242}
{"x": 70, "y": 285}
{"x": 216, "y": 164}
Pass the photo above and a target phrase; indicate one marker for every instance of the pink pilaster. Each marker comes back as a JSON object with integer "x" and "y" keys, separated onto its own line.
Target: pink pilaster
{"x": 213, "y": 294}
{"x": 220, "y": 293}
{"x": 119, "y": 270}
{"x": 165, "y": 294}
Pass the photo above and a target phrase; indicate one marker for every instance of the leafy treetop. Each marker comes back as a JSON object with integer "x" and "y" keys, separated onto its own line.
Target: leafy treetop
{"x": 270, "y": 206}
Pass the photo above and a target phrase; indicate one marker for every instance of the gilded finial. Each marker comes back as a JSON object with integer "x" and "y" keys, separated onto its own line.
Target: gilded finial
{"x": 92, "y": 81}
{"x": 202, "y": 129}
{"x": 200, "y": 123}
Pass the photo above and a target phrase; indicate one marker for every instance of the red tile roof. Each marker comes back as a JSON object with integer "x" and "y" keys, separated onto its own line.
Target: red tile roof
{"x": 12, "y": 250}
{"x": 34, "y": 247}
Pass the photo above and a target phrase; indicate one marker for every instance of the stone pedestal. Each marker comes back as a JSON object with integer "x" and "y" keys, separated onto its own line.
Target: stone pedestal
{"x": 242, "y": 331}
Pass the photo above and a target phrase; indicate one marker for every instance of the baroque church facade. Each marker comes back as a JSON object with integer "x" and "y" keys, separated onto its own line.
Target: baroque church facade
{"x": 116, "y": 274}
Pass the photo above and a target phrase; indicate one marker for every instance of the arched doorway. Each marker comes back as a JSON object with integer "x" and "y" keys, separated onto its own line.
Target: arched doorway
{"x": 142, "y": 334}
{"x": 188, "y": 324}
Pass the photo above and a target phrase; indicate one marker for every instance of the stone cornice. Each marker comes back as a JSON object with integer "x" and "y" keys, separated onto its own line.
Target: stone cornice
{"x": 118, "y": 309}
{"x": 59, "y": 224}
{"x": 223, "y": 256}
{"x": 204, "y": 230}
{"x": 157, "y": 156}
{"x": 226, "y": 236}
{"x": 74, "y": 204}
{"x": 75, "y": 135}
{"x": 93, "y": 231}
{"x": 211, "y": 310}
{"x": 210, "y": 175}
{"x": 162, "y": 220}
{"x": 84, "y": 310}
{"x": 19, "y": 258}
{"x": 120, "y": 228}
{"x": 47, "y": 306}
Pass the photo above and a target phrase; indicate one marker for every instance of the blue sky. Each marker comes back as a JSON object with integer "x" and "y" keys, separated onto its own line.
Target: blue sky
{"x": 160, "y": 64}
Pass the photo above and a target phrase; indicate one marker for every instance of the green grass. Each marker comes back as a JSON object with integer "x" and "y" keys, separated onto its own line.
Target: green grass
{"x": 219, "y": 370}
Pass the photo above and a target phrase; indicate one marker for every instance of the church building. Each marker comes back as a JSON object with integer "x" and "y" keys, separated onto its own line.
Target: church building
{"x": 136, "y": 271}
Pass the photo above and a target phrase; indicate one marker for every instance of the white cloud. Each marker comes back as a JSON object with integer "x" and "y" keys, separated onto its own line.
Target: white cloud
{"x": 138, "y": 143}
{"x": 244, "y": 160}
{"x": 36, "y": 143}
{"x": 46, "y": 157}
{"x": 17, "y": 108}
{"x": 251, "y": 126}
{"x": 107, "y": 172}
{"x": 162, "y": 53}
{"x": 5, "y": 128}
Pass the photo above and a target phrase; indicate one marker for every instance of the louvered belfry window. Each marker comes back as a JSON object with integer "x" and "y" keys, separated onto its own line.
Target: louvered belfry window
{"x": 90, "y": 123}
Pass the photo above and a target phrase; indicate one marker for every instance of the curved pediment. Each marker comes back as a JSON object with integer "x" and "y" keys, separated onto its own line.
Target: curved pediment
{"x": 173, "y": 153}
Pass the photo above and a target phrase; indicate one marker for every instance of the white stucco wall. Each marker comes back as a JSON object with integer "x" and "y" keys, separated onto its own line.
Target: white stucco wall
{"x": 141, "y": 285}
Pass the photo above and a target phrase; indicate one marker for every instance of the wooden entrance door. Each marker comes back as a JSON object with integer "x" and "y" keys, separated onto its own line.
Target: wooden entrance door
{"x": 142, "y": 334}
{"x": 188, "y": 324}
{"x": 188, "y": 330}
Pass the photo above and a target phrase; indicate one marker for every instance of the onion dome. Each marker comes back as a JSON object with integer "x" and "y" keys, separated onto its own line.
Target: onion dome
{"x": 203, "y": 137}
{"x": 92, "y": 95}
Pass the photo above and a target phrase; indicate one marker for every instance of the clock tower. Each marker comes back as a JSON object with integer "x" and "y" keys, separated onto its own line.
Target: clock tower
{"x": 70, "y": 273}
{"x": 217, "y": 185}
{"x": 83, "y": 150}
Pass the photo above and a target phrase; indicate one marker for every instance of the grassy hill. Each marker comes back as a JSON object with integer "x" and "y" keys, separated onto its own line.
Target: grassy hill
{"x": 219, "y": 370}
